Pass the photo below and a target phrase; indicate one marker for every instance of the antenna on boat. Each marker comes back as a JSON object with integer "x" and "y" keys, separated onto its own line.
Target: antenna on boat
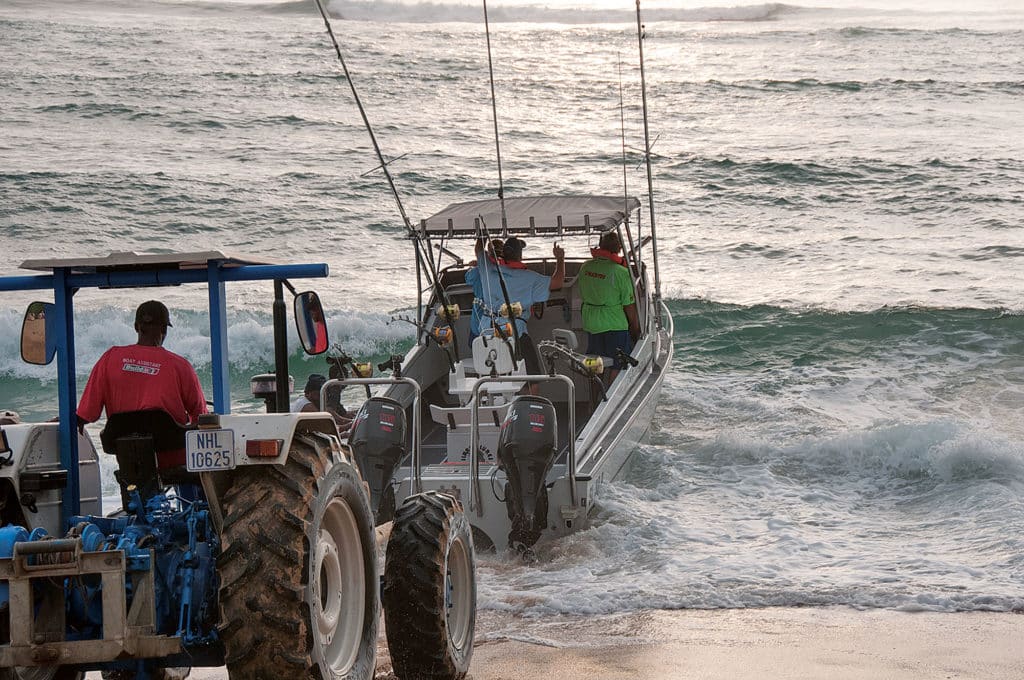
{"x": 426, "y": 254}
{"x": 647, "y": 156}
{"x": 494, "y": 114}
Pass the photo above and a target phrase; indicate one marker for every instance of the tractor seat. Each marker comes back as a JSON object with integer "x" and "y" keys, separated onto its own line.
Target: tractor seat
{"x": 167, "y": 435}
{"x": 150, "y": 448}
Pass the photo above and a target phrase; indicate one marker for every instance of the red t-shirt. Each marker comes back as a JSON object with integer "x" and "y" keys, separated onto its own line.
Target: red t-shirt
{"x": 321, "y": 337}
{"x": 138, "y": 378}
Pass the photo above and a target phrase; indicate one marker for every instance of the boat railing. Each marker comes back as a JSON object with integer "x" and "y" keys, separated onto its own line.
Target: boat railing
{"x": 474, "y": 428}
{"x": 417, "y": 479}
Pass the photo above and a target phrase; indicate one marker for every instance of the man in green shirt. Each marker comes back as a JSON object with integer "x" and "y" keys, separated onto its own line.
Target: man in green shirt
{"x": 609, "y": 303}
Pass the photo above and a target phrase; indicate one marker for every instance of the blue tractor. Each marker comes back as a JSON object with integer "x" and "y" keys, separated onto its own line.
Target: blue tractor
{"x": 259, "y": 554}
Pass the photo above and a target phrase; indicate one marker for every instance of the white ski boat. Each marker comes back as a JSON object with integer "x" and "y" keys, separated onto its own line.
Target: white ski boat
{"x": 531, "y": 477}
{"x": 525, "y": 452}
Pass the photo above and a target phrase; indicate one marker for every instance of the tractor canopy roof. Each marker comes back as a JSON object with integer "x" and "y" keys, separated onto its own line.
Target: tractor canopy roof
{"x": 132, "y": 261}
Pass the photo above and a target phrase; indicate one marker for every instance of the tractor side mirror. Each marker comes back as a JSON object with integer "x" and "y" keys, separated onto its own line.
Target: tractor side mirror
{"x": 38, "y": 341}
{"x": 309, "y": 321}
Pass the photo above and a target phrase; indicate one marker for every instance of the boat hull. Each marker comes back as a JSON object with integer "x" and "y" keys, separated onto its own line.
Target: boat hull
{"x": 602, "y": 453}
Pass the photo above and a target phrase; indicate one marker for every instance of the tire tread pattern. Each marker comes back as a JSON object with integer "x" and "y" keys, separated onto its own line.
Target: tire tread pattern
{"x": 414, "y": 588}
{"x": 264, "y": 567}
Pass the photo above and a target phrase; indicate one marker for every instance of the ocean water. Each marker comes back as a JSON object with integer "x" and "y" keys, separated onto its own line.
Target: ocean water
{"x": 839, "y": 193}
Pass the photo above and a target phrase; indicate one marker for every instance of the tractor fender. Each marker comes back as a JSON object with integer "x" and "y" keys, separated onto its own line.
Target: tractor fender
{"x": 34, "y": 452}
{"x": 280, "y": 427}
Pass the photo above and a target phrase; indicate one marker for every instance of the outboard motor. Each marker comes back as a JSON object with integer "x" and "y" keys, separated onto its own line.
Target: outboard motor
{"x": 527, "y": 450}
{"x": 378, "y": 442}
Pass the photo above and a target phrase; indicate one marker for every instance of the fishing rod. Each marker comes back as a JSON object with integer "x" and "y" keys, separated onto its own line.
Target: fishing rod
{"x": 622, "y": 127}
{"x": 494, "y": 114}
{"x": 625, "y": 184}
{"x": 504, "y": 294}
{"x": 366, "y": 121}
{"x": 501, "y": 186}
{"x": 432, "y": 269}
{"x": 647, "y": 155}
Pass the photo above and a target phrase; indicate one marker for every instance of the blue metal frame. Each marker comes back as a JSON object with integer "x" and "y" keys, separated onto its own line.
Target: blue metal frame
{"x": 64, "y": 283}
{"x": 67, "y": 392}
{"x": 219, "y": 342}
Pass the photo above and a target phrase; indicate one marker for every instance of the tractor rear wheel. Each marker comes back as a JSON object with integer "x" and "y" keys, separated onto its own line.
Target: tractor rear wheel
{"x": 298, "y": 570}
{"x": 430, "y": 589}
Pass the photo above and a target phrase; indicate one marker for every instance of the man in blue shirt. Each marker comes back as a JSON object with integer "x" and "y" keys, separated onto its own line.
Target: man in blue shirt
{"x": 474, "y": 279}
{"x": 524, "y": 286}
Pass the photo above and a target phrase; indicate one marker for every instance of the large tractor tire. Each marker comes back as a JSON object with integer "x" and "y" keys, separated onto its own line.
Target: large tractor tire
{"x": 298, "y": 571}
{"x": 430, "y": 589}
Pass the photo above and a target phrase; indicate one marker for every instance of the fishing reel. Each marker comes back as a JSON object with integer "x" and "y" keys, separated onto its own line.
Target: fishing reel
{"x": 341, "y": 366}
{"x": 443, "y": 334}
{"x": 505, "y": 331}
{"x": 584, "y": 364}
{"x": 449, "y": 313}
{"x": 593, "y": 364}
{"x": 513, "y": 312}
{"x": 590, "y": 367}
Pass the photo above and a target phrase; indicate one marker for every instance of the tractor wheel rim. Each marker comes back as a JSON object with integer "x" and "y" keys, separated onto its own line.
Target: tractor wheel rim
{"x": 340, "y": 592}
{"x": 458, "y": 584}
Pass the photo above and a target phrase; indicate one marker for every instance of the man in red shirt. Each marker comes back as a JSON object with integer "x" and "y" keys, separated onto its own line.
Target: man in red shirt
{"x": 144, "y": 376}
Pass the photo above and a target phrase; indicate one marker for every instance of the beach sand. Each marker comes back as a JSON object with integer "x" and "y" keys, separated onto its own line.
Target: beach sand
{"x": 781, "y": 643}
{"x": 777, "y": 643}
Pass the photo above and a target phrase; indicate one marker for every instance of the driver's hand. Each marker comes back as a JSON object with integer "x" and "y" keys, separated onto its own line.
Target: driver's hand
{"x": 558, "y": 252}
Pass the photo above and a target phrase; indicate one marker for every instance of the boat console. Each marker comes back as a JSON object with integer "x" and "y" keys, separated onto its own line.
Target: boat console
{"x": 492, "y": 356}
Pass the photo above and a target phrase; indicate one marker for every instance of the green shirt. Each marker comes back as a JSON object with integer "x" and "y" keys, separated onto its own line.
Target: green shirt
{"x": 605, "y": 288}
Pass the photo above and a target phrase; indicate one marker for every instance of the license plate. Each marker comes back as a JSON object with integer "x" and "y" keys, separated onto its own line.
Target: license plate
{"x": 207, "y": 450}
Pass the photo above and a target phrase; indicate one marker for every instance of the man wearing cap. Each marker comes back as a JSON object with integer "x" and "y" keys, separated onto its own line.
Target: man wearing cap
{"x": 143, "y": 376}
{"x": 609, "y": 303}
{"x": 310, "y": 401}
{"x": 524, "y": 286}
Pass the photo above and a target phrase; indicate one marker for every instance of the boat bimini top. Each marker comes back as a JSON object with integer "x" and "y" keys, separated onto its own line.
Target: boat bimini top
{"x": 530, "y": 216}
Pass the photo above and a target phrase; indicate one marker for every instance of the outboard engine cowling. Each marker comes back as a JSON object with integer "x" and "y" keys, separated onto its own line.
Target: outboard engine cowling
{"x": 378, "y": 442}
{"x": 526, "y": 450}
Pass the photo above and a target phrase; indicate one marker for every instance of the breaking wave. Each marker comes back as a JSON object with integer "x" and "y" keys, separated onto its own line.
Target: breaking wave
{"x": 448, "y": 12}
{"x": 443, "y": 12}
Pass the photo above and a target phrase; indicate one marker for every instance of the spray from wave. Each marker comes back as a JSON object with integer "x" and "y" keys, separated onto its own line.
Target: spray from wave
{"x": 445, "y": 12}
{"x": 250, "y": 339}
{"x": 429, "y": 12}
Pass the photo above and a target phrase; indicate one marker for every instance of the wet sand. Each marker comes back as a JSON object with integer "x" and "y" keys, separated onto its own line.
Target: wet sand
{"x": 776, "y": 643}
{"x": 781, "y": 643}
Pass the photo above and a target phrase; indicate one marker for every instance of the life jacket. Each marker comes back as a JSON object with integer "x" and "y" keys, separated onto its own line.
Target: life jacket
{"x": 608, "y": 255}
